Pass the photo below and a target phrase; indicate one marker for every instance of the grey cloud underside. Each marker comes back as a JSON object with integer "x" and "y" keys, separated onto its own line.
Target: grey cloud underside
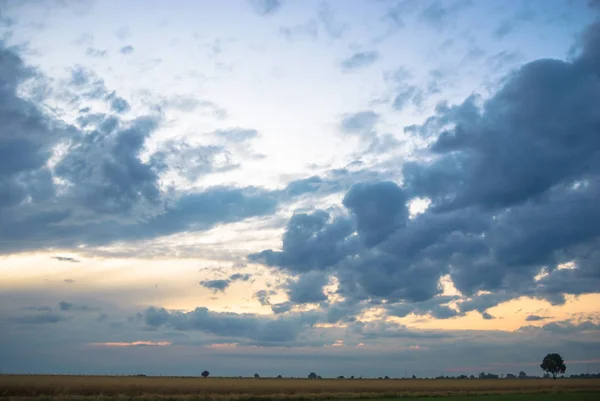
{"x": 514, "y": 185}
{"x": 101, "y": 190}
{"x": 222, "y": 284}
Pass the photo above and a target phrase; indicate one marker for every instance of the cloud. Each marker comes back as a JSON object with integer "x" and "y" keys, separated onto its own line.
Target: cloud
{"x": 362, "y": 124}
{"x": 409, "y": 94}
{"x": 92, "y": 52}
{"x": 327, "y": 18}
{"x": 40, "y": 318}
{"x": 265, "y": 7}
{"x": 67, "y": 306}
{"x": 117, "y": 103}
{"x": 193, "y": 162}
{"x": 487, "y": 316}
{"x": 38, "y": 308}
{"x": 359, "y": 60}
{"x": 66, "y": 259}
{"x": 313, "y": 241}
{"x": 441, "y": 14}
{"x": 253, "y": 329}
{"x": 216, "y": 285}
{"x": 433, "y": 307}
{"x": 308, "y": 288}
{"x": 126, "y": 50}
{"x": 379, "y": 209}
{"x": 101, "y": 174}
{"x": 535, "y": 318}
{"x": 222, "y": 284}
{"x": 237, "y": 135}
{"x": 282, "y": 307}
{"x": 264, "y": 296}
{"x": 494, "y": 174}
{"x": 359, "y": 123}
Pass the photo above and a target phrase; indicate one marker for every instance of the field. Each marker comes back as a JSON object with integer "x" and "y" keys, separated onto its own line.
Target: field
{"x": 19, "y": 387}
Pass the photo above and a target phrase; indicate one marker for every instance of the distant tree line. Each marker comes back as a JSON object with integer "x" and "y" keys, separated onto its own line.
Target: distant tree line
{"x": 552, "y": 364}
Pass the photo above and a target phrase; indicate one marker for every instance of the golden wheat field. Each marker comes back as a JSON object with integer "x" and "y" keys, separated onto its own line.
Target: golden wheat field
{"x": 81, "y": 387}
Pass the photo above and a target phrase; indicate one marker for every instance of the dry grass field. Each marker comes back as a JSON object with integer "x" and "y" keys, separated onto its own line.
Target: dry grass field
{"x": 104, "y": 387}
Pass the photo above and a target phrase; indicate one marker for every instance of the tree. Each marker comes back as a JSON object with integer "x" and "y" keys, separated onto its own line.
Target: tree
{"x": 414, "y": 377}
{"x": 522, "y": 375}
{"x": 256, "y": 376}
{"x": 553, "y": 364}
{"x": 205, "y": 374}
{"x": 312, "y": 375}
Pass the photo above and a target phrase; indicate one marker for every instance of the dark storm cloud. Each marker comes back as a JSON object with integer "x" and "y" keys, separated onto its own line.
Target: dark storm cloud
{"x": 308, "y": 288}
{"x": 104, "y": 173}
{"x": 359, "y": 60}
{"x": 379, "y": 209}
{"x": 514, "y": 184}
{"x": 108, "y": 163}
{"x": 547, "y": 107}
{"x": 26, "y": 137}
{"x": 313, "y": 241}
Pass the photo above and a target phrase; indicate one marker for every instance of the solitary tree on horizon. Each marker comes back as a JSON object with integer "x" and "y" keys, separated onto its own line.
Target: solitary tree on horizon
{"x": 312, "y": 375}
{"x": 553, "y": 364}
{"x": 205, "y": 374}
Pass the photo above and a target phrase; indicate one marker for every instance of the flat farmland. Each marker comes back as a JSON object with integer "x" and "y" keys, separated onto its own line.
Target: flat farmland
{"x": 109, "y": 387}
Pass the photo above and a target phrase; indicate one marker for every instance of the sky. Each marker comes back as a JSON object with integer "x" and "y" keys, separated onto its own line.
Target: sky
{"x": 367, "y": 188}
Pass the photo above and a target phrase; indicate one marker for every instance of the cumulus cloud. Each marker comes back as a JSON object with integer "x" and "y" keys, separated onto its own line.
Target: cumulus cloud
{"x": 513, "y": 183}
{"x": 102, "y": 173}
{"x": 308, "y": 288}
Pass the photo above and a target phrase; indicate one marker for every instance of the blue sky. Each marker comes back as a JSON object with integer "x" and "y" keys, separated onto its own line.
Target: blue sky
{"x": 272, "y": 185}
